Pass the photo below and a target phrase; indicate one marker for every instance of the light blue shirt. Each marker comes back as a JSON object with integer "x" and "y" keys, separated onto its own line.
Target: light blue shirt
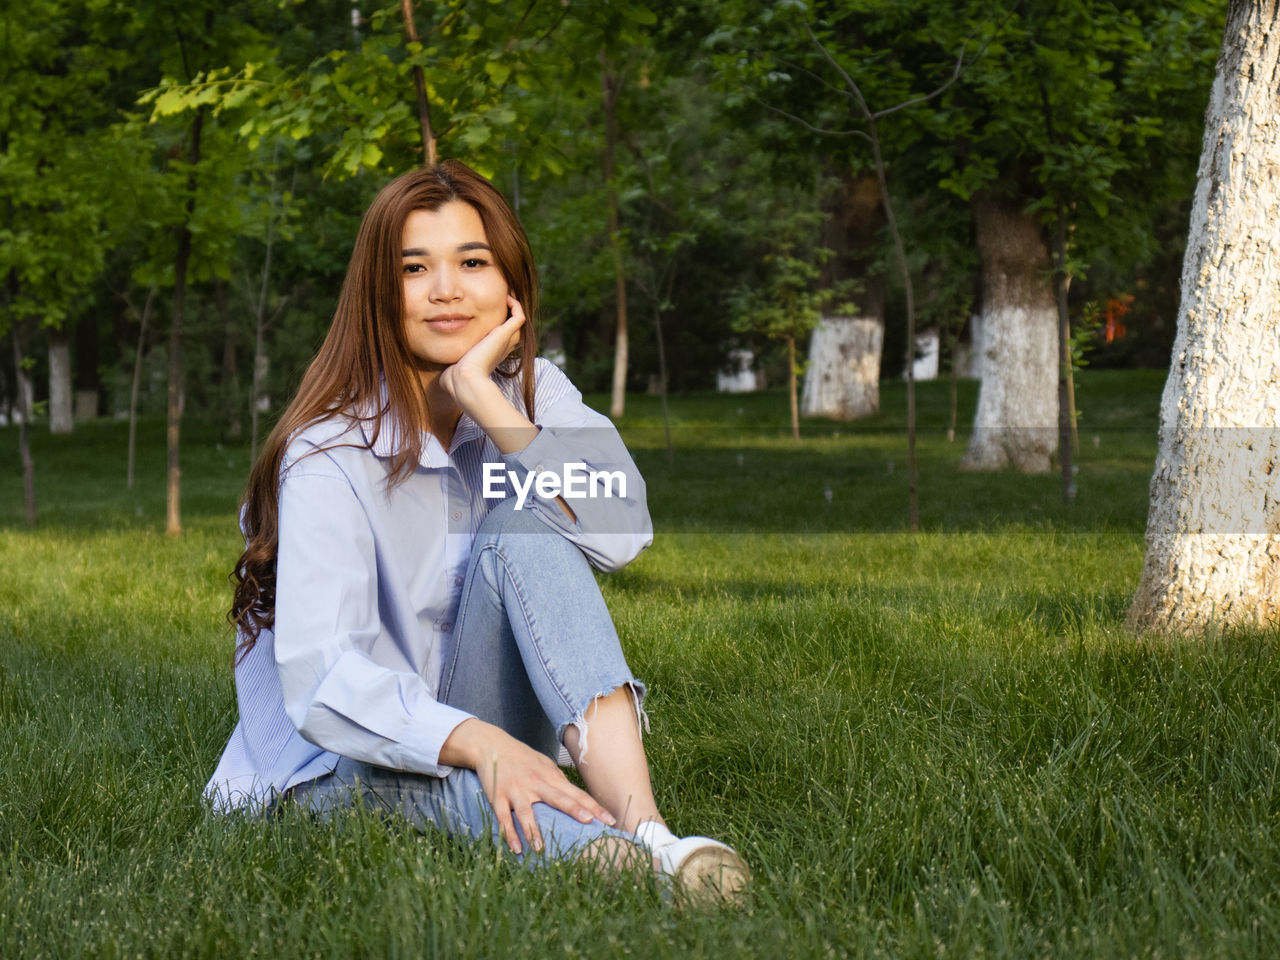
{"x": 368, "y": 582}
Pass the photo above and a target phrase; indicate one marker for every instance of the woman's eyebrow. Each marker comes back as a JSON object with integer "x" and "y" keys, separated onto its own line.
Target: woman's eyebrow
{"x": 461, "y": 248}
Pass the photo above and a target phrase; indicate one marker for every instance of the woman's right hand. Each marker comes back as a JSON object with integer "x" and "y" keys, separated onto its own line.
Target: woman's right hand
{"x": 515, "y": 777}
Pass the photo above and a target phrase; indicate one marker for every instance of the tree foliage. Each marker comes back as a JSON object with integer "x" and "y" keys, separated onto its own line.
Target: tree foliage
{"x": 1089, "y": 107}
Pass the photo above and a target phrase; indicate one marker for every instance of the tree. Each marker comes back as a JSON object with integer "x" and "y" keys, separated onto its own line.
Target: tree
{"x": 58, "y": 74}
{"x": 843, "y": 376}
{"x": 56, "y": 95}
{"x": 202, "y": 166}
{"x": 617, "y": 31}
{"x": 275, "y": 208}
{"x": 20, "y": 406}
{"x": 1018, "y": 401}
{"x": 860, "y": 109}
{"x": 786, "y": 301}
{"x": 1054, "y": 106}
{"x": 1213, "y": 530}
{"x": 773, "y": 65}
{"x": 610, "y": 82}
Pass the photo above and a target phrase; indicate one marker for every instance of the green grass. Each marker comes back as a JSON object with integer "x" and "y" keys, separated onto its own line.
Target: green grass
{"x": 942, "y": 744}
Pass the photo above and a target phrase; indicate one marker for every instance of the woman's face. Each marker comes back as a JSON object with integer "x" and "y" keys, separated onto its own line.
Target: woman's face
{"x": 454, "y": 290}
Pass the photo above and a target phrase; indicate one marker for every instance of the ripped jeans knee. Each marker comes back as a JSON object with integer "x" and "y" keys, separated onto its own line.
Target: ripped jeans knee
{"x": 582, "y": 720}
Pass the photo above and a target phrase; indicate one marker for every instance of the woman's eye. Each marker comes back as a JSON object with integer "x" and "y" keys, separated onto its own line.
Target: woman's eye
{"x": 475, "y": 262}
{"x": 413, "y": 268}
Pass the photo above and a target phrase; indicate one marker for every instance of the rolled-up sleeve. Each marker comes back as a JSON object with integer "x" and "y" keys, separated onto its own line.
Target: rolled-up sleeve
{"x": 327, "y": 623}
{"x": 594, "y": 473}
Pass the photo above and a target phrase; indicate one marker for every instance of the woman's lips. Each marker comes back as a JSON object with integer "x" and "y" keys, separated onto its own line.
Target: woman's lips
{"x": 448, "y": 322}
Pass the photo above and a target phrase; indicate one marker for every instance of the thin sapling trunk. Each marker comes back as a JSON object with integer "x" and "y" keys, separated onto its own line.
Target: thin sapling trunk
{"x": 173, "y": 433}
{"x": 23, "y": 410}
{"x": 791, "y": 388}
{"x": 662, "y": 380}
{"x": 420, "y": 85}
{"x": 137, "y": 383}
{"x": 609, "y": 89}
{"x": 1066, "y": 393}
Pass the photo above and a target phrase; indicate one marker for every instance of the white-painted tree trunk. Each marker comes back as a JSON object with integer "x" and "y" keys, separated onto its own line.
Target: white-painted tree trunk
{"x": 1017, "y": 418}
{"x": 86, "y": 404}
{"x": 1213, "y": 528}
{"x": 60, "y": 395}
{"x": 843, "y": 375}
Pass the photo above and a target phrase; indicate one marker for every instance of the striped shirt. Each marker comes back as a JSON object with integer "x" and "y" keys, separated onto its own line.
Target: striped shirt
{"x": 368, "y": 582}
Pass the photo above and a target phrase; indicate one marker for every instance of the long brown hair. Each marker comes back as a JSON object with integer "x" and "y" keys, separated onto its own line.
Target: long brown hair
{"x": 365, "y": 349}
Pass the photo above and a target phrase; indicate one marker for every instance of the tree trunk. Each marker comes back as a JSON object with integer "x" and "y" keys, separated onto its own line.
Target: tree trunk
{"x": 230, "y": 367}
{"x": 420, "y": 85}
{"x": 1213, "y": 529}
{"x": 22, "y": 409}
{"x": 1066, "y": 381}
{"x": 88, "y": 382}
{"x": 60, "y": 397}
{"x": 257, "y": 401}
{"x": 609, "y": 87}
{"x": 953, "y": 380}
{"x": 843, "y": 377}
{"x": 1018, "y": 400}
{"x": 791, "y": 387}
{"x": 662, "y": 377}
{"x": 900, "y": 254}
{"x": 137, "y": 383}
{"x": 173, "y": 473}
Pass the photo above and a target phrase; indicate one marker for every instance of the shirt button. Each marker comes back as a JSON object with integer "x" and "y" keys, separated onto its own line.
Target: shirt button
{"x": 446, "y": 626}
{"x": 457, "y": 581}
{"x": 457, "y": 514}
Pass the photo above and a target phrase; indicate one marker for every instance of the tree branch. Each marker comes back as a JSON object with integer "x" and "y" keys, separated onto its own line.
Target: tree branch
{"x": 928, "y": 96}
{"x": 857, "y": 91}
{"x": 551, "y": 29}
{"x": 806, "y": 123}
{"x": 275, "y": 315}
{"x": 520, "y": 23}
{"x": 955, "y": 74}
{"x": 830, "y": 86}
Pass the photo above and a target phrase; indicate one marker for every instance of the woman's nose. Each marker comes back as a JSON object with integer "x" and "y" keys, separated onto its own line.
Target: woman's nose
{"x": 444, "y": 284}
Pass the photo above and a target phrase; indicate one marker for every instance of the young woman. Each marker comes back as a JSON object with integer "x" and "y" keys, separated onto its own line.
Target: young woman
{"x": 418, "y": 624}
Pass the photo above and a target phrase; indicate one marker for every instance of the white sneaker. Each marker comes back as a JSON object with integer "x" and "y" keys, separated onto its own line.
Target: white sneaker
{"x": 703, "y": 869}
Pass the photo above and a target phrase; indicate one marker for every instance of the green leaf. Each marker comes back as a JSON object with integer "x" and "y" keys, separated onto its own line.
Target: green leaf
{"x": 476, "y": 134}
{"x": 498, "y": 71}
{"x": 171, "y": 101}
{"x": 501, "y": 116}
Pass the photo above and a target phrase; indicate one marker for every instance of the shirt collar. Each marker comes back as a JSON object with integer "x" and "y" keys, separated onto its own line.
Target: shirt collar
{"x": 388, "y": 440}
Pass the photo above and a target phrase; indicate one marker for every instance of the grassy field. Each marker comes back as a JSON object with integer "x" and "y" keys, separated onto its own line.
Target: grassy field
{"x": 940, "y": 744}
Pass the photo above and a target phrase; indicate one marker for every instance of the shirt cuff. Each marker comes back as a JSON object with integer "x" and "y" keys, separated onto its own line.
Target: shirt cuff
{"x": 545, "y": 452}
{"x": 419, "y": 751}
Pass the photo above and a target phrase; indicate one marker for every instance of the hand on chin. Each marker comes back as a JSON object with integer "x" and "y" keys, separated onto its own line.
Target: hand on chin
{"x": 479, "y": 362}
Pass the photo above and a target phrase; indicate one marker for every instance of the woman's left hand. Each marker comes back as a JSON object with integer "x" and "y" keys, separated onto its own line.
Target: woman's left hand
{"x": 478, "y": 363}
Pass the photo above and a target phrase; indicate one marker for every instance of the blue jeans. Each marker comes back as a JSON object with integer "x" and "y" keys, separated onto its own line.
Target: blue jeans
{"x": 533, "y": 647}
